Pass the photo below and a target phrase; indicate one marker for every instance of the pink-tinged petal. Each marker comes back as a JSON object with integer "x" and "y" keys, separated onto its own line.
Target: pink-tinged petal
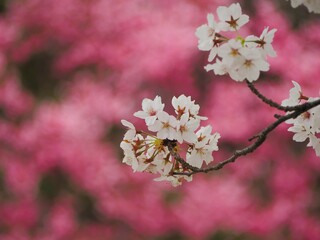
{"x": 211, "y": 22}
{"x": 212, "y": 54}
{"x": 189, "y": 137}
{"x": 127, "y": 124}
{"x": 140, "y": 114}
{"x": 222, "y": 13}
{"x": 150, "y": 120}
{"x": 300, "y": 137}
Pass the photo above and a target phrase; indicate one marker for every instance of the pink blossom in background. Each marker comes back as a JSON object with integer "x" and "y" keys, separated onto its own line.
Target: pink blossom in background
{"x": 71, "y": 70}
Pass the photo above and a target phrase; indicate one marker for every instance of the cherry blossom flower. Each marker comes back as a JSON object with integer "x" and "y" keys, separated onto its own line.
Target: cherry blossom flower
{"x": 231, "y": 17}
{"x": 219, "y": 67}
{"x": 132, "y": 153}
{"x": 295, "y": 96}
{"x": 165, "y": 126}
{"x": 312, "y": 5}
{"x": 250, "y": 65}
{"x": 306, "y": 125}
{"x": 263, "y": 42}
{"x": 131, "y": 129}
{"x": 208, "y": 39}
{"x": 150, "y": 110}
{"x": 302, "y": 132}
{"x": 183, "y": 105}
{"x": 230, "y": 51}
{"x": 206, "y": 34}
{"x": 162, "y": 164}
{"x": 186, "y": 129}
{"x": 201, "y": 151}
{"x": 309, "y": 119}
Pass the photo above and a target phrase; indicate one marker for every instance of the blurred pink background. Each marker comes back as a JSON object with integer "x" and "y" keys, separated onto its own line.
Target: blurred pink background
{"x": 71, "y": 70}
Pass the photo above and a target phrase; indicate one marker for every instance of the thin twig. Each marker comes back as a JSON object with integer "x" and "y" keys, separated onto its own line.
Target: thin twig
{"x": 263, "y": 98}
{"x": 171, "y": 145}
{"x": 269, "y": 101}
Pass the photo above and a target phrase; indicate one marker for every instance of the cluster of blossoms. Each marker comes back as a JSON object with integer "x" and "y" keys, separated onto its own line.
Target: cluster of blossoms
{"x": 242, "y": 58}
{"x": 307, "y": 125}
{"x": 146, "y": 152}
{"x": 312, "y": 5}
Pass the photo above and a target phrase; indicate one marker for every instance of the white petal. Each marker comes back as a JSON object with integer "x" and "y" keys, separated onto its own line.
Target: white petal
{"x": 127, "y": 124}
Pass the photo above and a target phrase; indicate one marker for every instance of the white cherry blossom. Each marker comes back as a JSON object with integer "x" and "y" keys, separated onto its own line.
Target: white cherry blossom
{"x": 309, "y": 119}
{"x": 162, "y": 165}
{"x": 183, "y": 105}
{"x": 150, "y": 110}
{"x": 219, "y": 67}
{"x": 231, "y": 18}
{"x": 250, "y": 65}
{"x": 263, "y": 42}
{"x": 206, "y": 34}
{"x": 134, "y": 158}
{"x": 186, "y": 129}
{"x": 165, "y": 126}
{"x": 230, "y": 51}
{"x": 295, "y": 96}
{"x": 307, "y": 125}
{"x": 201, "y": 151}
{"x": 199, "y": 154}
{"x": 302, "y": 132}
{"x": 131, "y": 129}
{"x": 312, "y": 5}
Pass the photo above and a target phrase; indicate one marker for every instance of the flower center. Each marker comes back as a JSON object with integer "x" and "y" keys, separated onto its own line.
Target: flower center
{"x": 248, "y": 63}
{"x": 152, "y": 112}
{"x": 234, "y": 52}
{"x": 166, "y": 125}
{"x": 233, "y": 22}
{"x": 210, "y": 32}
{"x": 306, "y": 115}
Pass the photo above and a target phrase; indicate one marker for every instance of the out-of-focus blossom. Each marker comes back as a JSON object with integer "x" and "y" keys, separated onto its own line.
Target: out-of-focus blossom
{"x": 312, "y": 5}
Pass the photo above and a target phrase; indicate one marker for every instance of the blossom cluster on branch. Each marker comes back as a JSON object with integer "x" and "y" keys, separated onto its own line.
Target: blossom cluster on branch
{"x": 307, "y": 125}
{"x": 241, "y": 58}
{"x": 152, "y": 153}
{"x": 69, "y": 77}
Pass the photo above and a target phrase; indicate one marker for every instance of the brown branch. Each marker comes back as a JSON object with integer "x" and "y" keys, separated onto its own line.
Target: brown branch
{"x": 260, "y": 138}
{"x": 269, "y": 101}
{"x": 171, "y": 145}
